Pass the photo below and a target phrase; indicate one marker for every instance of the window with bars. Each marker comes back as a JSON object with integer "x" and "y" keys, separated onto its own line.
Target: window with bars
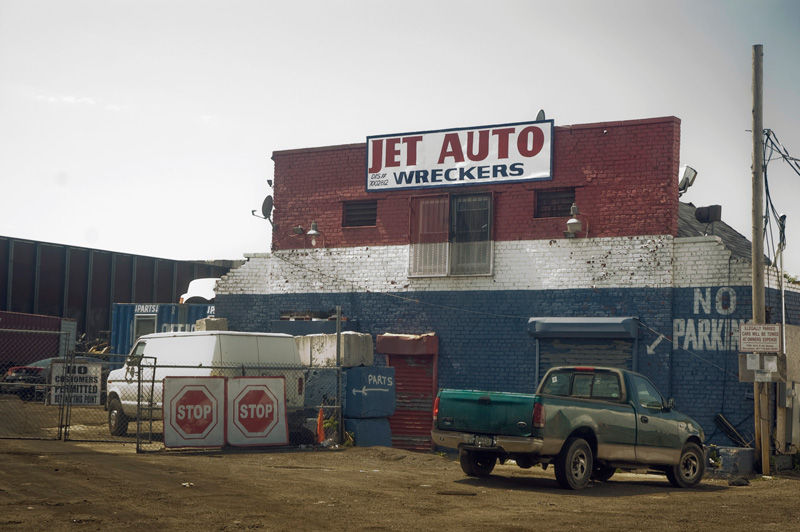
{"x": 554, "y": 203}
{"x": 451, "y": 235}
{"x": 360, "y": 213}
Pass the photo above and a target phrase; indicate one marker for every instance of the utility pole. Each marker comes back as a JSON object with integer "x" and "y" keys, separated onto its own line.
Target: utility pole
{"x": 760, "y": 389}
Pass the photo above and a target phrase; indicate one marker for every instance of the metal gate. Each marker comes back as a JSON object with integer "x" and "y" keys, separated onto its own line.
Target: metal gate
{"x": 414, "y": 359}
{"x": 64, "y": 397}
{"x": 46, "y": 389}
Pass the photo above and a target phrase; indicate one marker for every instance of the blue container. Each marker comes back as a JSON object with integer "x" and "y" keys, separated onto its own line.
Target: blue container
{"x": 131, "y": 320}
{"x": 369, "y": 392}
{"x": 369, "y": 432}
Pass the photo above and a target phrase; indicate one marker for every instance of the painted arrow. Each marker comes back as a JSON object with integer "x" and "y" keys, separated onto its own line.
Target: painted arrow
{"x": 364, "y": 390}
{"x": 651, "y": 349}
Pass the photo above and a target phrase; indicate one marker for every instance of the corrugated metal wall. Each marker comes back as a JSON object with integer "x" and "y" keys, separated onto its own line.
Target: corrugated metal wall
{"x": 414, "y": 359}
{"x": 83, "y": 284}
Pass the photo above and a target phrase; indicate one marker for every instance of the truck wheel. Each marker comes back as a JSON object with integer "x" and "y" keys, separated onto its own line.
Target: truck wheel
{"x": 117, "y": 420}
{"x": 476, "y": 463}
{"x": 689, "y": 470}
{"x": 574, "y": 464}
{"x": 601, "y": 473}
{"x": 525, "y": 462}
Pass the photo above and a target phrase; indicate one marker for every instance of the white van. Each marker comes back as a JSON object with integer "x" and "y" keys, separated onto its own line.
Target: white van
{"x": 200, "y": 354}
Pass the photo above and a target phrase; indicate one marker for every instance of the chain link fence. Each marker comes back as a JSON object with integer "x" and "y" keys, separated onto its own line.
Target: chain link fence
{"x": 39, "y": 377}
{"x": 137, "y": 399}
{"x": 70, "y": 397}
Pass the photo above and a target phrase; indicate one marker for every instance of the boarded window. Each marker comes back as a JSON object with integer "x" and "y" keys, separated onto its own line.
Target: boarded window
{"x": 554, "y": 203}
{"x": 360, "y": 213}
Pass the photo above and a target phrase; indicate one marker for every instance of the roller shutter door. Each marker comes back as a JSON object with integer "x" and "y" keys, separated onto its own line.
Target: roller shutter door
{"x": 413, "y": 417}
{"x": 613, "y": 352}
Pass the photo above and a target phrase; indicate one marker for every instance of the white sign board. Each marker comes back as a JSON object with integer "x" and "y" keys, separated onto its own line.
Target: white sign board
{"x": 194, "y": 410}
{"x": 759, "y": 338}
{"x": 256, "y": 411}
{"x": 485, "y": 155}
{"x": 77, "y": 383}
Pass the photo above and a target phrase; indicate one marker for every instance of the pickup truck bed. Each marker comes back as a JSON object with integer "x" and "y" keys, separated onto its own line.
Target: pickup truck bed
{"x": 587, "y": 422}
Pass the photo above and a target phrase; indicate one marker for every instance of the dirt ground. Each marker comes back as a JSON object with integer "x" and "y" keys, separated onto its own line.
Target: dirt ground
{"x": 74, "y": 486}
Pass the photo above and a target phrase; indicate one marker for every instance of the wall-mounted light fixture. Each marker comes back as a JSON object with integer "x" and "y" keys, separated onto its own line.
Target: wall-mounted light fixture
{"x": 574, "y": 225}
{"x": 687, "y": 175}
{"x": 314, "y": 232}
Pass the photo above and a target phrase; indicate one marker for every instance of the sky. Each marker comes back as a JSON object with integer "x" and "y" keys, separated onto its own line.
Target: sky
{"x": 147, "y": 126}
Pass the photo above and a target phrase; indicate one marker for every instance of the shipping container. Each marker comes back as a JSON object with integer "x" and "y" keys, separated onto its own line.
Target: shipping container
{"x": 132, "y": 320}
{"x": 26, "y": 338}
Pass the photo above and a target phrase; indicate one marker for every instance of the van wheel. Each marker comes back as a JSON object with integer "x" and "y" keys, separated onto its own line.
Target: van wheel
{"x": 476, "y": 463}
{"x": 117, "y": 420}
{"x": 574, "y": 464}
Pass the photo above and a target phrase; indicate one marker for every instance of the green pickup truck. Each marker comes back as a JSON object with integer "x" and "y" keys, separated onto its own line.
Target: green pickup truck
{"x": 587, "y": 422}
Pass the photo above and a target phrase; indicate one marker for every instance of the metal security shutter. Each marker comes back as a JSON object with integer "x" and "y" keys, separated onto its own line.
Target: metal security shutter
{"x": 617, "y": 353}
{"x": 414, "y": 358}
{"x": 413, "y": 417}
{"x": 562, "y": 341}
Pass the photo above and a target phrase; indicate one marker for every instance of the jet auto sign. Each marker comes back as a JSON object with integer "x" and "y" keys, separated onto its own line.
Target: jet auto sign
{"x": 467, "y": 156}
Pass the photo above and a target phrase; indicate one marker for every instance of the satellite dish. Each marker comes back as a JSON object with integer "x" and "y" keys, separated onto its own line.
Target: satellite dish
{"x": 540, "y": 117}
{"x": 266, "y": 210}
{"x": 266, "y": 207}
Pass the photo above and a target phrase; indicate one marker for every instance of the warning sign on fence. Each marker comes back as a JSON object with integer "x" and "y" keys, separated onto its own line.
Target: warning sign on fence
{"x": 75, "y": 383}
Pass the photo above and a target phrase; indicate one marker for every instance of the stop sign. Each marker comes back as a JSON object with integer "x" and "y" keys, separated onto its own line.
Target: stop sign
{"x": 194, "y": 412}
{"x": 255, "y": 411}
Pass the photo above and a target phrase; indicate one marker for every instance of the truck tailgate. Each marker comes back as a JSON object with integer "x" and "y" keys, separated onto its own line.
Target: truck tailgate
{"x": 510, "y": 414}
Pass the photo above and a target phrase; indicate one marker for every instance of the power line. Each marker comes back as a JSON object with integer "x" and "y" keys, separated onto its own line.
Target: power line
{"x": 355, "y": 285}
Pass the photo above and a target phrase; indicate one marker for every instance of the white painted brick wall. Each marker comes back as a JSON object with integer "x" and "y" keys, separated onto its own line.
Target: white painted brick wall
{"x": 518, "y": 265}
{"x": 629, "y": 262}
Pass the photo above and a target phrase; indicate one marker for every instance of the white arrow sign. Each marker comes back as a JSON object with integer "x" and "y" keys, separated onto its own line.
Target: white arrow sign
{"x": 651, "y": 349}
{"x": 364, "y": 390}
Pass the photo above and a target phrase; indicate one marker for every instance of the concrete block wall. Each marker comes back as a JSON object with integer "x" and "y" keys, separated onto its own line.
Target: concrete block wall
{"x": 319, "y": 350}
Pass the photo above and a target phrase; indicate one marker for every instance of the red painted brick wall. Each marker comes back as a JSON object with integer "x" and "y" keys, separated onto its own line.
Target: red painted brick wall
{"x": 625, "y": 175}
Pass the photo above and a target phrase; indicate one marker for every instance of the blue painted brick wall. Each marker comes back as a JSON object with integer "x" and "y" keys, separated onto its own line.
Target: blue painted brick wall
{"x": 484, "y": 344}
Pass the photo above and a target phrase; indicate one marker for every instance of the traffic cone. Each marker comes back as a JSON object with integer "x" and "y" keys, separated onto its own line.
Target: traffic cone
{"x": 320, "y": 427}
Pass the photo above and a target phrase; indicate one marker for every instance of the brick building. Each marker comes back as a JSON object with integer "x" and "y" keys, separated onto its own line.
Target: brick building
{"x": 473, "y": 251}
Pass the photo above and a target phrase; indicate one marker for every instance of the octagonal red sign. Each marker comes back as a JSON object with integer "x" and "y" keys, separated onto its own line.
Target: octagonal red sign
{"x": 255, "y": 411}
{"x": 194, "y": 412}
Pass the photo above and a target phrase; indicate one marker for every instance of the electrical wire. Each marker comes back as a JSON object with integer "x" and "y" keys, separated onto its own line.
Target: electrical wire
{"x": 355, "y": 285}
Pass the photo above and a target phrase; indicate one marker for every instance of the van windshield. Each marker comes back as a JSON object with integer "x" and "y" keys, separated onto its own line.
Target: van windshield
{"x": 135, "y": 358}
